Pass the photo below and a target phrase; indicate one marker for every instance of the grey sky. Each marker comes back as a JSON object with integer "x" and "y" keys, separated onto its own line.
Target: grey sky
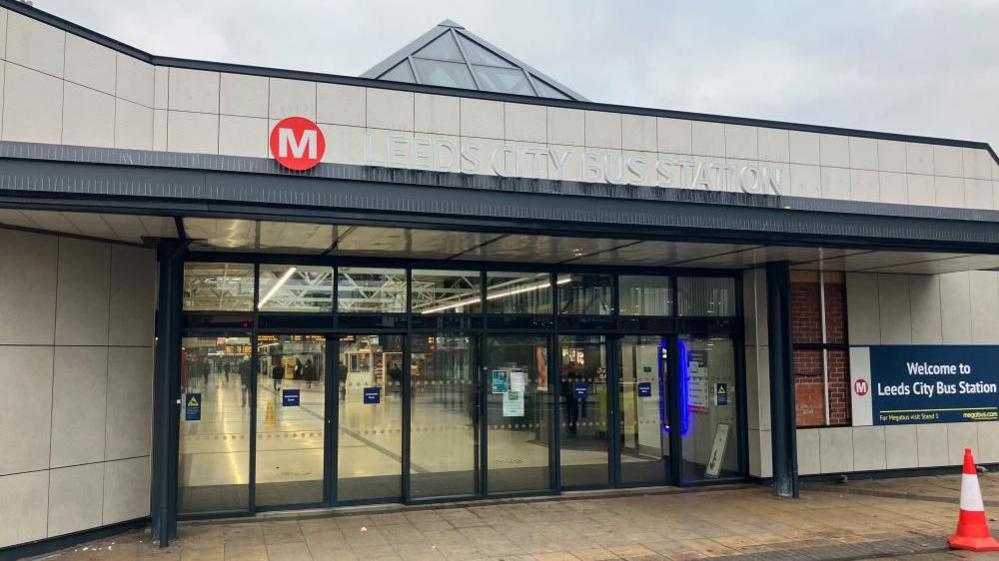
{"x": 909, "y": 66}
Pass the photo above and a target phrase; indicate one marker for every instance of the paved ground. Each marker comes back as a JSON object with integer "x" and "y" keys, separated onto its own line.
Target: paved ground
{"x": 900, "y": 519}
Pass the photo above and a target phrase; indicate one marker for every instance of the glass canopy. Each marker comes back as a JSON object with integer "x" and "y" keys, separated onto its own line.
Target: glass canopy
{"x": 448, "y": 55}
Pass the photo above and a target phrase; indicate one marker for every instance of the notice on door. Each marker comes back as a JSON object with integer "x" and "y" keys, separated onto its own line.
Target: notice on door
{"x": 513, "y": 404}
{"x": 905, "y": 384}
{"x": 501, "y": 381}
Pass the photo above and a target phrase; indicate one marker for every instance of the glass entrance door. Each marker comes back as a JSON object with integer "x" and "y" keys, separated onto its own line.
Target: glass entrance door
{"x": 291, "y": 419}
{"x": 370, "y": 373}
{"x": 585, "y": 409}
{"x": 644, "y": 414}
{"x": 215, "y": 424}
{"x": 443, "y": 416}
{"x": 518, "y": 402}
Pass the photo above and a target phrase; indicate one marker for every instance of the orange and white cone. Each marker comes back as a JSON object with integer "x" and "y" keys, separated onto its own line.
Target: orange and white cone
{"x": 972, "y": 526}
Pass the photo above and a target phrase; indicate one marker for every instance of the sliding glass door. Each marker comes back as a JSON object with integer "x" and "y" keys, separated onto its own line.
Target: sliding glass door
{"x": 585, "y": 408}
{"x": 291, "y": 413}
{"x": 370, "y": 416}
{"x": 644, "y": 412}
{"x": 443, "y": 416}
{"x": 215, "y": 425}
{"x": 519, "y": 401}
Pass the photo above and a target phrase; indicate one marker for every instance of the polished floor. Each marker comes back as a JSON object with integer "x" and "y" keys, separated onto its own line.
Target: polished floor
{"x": 215, "y": 456}
{"x": 826, "y": 523}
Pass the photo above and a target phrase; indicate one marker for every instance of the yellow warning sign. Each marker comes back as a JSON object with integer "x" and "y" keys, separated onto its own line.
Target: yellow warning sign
{"x": 192, "y": 409}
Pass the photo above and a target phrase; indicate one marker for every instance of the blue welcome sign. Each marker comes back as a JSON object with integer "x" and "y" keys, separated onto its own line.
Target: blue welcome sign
{"x": 933, "y": 384}
{"x": 291, "y": 398}
{"x": 581, "y": 391}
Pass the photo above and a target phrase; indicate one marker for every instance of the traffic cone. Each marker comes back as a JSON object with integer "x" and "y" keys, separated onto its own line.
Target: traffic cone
{"x": 972, "y": 526}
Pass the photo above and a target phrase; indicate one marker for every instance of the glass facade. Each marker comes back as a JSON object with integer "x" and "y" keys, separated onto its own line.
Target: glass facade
{"x": 644, "y": 295}
{"x": 366, "y": 290}
{"x": 289, "y": 288}
{"x": 218, "y": 287}
{"x": 708, "y": 297}
{"x": 518, "y": 293}
{"x": 585, "y": 294}
{"x": 709, "y": 414}
{"x": 446, "y": 292}
{"x": 410, "y": 384}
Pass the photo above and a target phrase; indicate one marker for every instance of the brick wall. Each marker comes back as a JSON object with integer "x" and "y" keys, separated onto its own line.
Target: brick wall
{"x": 806, "y": 321}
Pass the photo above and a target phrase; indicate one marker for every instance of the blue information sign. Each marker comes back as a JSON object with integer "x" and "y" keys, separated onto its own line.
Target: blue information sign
{"x": 645, "y": 389}
{"x": 373, "y": 395}
{"x": 581, "y": 391}
{"x": 934, "y": 384}
{"x": 192, "y": 407}
{"x": 290, "y": 398}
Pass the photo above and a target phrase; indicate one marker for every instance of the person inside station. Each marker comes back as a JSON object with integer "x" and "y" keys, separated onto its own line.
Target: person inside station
{"x": 341, "y": 379}
{"x": 309, "y": 373}
{"x": 277, "y": 372}
{"x": 245, "y": 379}
{"x": 395, "y": 376}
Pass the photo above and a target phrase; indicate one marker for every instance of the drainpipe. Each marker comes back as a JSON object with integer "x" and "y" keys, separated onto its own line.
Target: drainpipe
{"x": 825, "y": 351}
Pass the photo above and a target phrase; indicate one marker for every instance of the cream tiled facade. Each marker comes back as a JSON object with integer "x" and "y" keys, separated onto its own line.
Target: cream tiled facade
{"x": 76, "y": 346}
{"x": 62, "y": 89}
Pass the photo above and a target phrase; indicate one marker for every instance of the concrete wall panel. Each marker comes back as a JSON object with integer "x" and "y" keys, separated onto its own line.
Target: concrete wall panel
{"x": 25, "y": 416}
{"x": 955, "y": 308}
{"x": 924, "y": 305}
{"x": 863, "y": 316}
{"x": 79, "y": 405}
{"x": 75, "y": 498}
{"x": 130, "y": 402}
{"x": 23, "y": 507}
{"x": 345, "y": 105}
{"x": 126, "y": 489}
{"x": 901, "y": 447}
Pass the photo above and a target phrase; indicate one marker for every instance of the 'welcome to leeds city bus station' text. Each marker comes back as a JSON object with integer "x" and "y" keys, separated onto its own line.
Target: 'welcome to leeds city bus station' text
{"x": 938, "y": 388}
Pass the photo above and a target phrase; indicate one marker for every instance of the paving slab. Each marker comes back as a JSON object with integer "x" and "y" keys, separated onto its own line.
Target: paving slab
{"x": 904, "y": 518}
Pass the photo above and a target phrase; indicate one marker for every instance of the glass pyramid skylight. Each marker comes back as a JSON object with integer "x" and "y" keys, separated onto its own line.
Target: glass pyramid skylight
{"x": 451, "y": 56}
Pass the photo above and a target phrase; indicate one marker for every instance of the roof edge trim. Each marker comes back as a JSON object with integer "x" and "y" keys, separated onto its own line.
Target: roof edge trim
{"x": 114, "y": 44}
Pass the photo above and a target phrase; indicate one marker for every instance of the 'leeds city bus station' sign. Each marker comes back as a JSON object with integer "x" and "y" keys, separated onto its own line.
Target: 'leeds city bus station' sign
{"x": 900, "y": 384}
{"x": 298, "y": 144}
{"x": 513, "y": 159}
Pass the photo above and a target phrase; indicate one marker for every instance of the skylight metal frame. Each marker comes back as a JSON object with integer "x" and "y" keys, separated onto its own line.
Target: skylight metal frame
{"x": 456, "y": 32}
